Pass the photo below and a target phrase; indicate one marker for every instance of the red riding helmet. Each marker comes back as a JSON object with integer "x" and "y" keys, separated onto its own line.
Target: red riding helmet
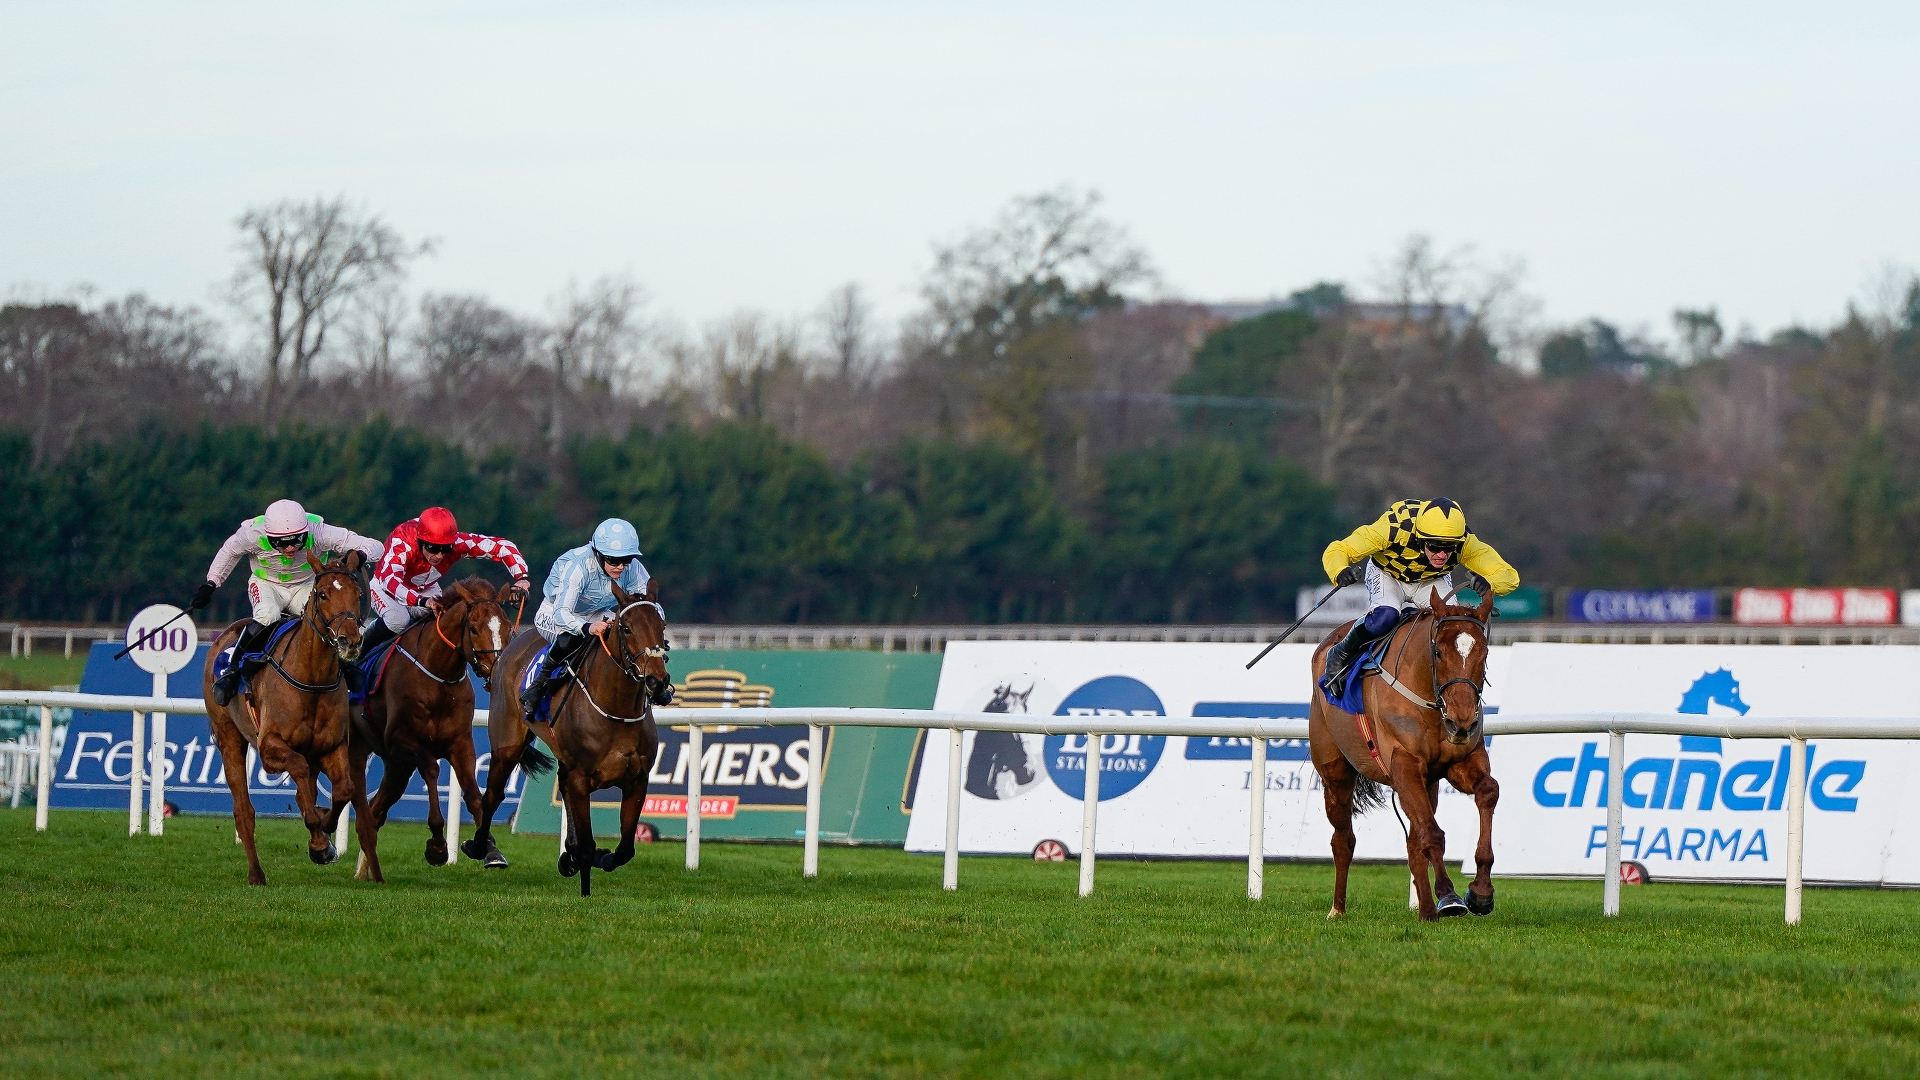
{"x": 437, "y": 526}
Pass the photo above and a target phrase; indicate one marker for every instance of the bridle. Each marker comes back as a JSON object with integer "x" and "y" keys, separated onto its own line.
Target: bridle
{"x": 1456, "y": 734}
{"x": 325, "y": 629}
{"x": 627, "y": 659}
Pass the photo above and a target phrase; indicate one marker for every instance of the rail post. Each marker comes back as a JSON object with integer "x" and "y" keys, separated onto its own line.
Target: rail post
{"x": 136, "y": 752}
{"x": 1089, "y": 814}
{"x": 810, "y": 859}
{"x": 453, "y": 815}
{"x": 157, "y": 769}
{"x": 694, "y": 753}
{"x": 950, "y": 875}
{"x": 1257, "y": 821}
{"x": 1796, "y": 823}
{"x": 43, "y": 781}
{"x": 1616, "y": 796}
{"x": 340, "y": 831}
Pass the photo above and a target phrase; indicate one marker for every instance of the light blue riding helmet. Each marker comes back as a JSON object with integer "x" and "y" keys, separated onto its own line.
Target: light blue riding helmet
{"x": 617, "y": 539}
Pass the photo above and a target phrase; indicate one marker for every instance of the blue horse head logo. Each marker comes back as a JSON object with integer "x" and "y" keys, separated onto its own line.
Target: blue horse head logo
{"x": 1715, "y": 687}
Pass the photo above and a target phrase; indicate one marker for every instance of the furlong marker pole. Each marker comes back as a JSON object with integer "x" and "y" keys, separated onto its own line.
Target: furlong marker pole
{"x": 694, "y": 754}
{"x": 1796, "y": 823}
{"x": 136, "y": 752}
{"x": 453, "y": 816}
{"x": 1616, "y": 794}
{"x": 1089, "y": 814}
{"x": 43, "y": 780}
{"x": 157, "y": 790}
{"x": 950, "y": 877}
{"x": 810, "y": 860}
{"x": 1257, "y": 822}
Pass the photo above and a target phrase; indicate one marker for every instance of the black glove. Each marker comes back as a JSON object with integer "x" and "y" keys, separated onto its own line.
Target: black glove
{"x": 1479, "y": 586}
{"x": 1350, "y": 576}
{"x": 202, "y": 596}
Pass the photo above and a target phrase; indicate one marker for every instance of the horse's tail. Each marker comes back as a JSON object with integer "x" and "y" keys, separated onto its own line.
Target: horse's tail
{"x": 1367, "y": 795}
{"x": 535, "y": 761}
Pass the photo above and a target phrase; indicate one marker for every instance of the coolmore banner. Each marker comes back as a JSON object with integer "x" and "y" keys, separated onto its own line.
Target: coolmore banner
{"x": 1621, "y": 606}
{"x": 1701, "y": 808}
{"x": 1159, "y": 795}
{"x": 96, "y": 760}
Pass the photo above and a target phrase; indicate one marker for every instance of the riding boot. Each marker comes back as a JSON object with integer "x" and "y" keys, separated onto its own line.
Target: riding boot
{"x": 1345, "y": 656}
{"x": 228, "y": 684}
{"x": 375, "y": 635}
{"x": 544, "y": 679}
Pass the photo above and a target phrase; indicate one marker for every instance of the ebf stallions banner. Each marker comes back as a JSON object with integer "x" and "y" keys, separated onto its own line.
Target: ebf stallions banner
{"x": 1159, "y": 795}
{"x": 1708, "y": 808}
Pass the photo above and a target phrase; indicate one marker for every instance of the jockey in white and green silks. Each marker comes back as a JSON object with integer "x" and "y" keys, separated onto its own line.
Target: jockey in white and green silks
{"x": 278, "y": 543}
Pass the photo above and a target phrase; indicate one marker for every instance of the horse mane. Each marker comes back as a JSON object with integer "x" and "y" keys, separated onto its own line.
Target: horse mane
{"x": 471, "y": 589}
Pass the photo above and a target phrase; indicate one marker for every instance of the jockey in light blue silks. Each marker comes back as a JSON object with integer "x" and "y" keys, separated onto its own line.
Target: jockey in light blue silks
{"x": 579, "y": 602}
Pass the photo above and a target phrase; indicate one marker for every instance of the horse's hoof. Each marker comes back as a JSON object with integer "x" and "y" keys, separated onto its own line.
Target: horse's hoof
{"x": 567, "y": 869}
{"x": 436, "y": 853}
{"x": 603, "y": 860}
{"x": 1335, "y": 913}
{"x": 1479, "y": 905}
{"x": 494, "y": 860}
{"x": 1450, "y": 904}
{"x": 473, "y": 849}
{"x": 324, "y": 856}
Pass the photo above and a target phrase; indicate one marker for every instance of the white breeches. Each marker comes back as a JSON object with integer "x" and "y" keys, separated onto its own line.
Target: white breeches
{"x": 271, "y": 600}
{"x": 1385, "y": 590}
{"x": 395, "y": 614}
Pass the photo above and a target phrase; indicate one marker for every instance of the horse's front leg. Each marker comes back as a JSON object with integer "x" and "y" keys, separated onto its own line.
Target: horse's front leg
{"x": 1475, "y": 776}
{"x": 429, "y": 768}
{"x": 306, "y": 794}
{"x": 461, "y": 756}
{"x": 1425, "y": 842}
{"x": 581, "y": 851}
{"x": 632, "y": 796}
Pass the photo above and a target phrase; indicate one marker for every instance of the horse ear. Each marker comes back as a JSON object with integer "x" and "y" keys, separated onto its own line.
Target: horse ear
{"x": 354, "y": 561}
{"x": 621, "y": 596}
{"x": 653, "y": 589}
{"x": 1486, "y": 606}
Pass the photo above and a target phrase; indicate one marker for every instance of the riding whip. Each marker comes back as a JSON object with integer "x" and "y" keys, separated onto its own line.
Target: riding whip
{"x": 149, "y": 634}
{"x": 1295, "y": 626}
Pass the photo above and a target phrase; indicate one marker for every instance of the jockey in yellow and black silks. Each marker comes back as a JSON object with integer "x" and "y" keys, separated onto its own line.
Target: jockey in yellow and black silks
{"x": 1404, "y": 558}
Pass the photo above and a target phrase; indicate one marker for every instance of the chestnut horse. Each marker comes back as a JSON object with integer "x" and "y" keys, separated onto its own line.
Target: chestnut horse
{"x": 294, "y": 713}
{"x": 602, "y": 728}
{"x": 1422, "y": 723}
{"x": 422, "y": 712}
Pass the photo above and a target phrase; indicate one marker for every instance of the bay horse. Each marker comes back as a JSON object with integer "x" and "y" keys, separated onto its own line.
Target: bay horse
{"x": 422, "y": 711}
{"x": 601, "y": 729}
{"x": 294, "y": 714}
{"x": 1422, "y": 723}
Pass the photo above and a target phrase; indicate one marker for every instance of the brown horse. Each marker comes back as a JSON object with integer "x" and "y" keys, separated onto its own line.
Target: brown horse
{"x": 294, "y": 713}
{"x": 423, "y": 712}
{"x": 602, "y": 729}
{"x": 1422, "y": 723}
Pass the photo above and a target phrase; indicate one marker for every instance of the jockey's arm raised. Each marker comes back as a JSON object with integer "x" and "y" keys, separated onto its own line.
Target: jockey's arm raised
{"x": 1362, "y": 543}
{"x": 1478, "y": 556}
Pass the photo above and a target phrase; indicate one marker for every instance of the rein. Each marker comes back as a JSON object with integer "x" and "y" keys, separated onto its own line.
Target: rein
{"x": 1456, "y": 733}
{"x": 321, "y": 630}
{"x": 627, "y": 663}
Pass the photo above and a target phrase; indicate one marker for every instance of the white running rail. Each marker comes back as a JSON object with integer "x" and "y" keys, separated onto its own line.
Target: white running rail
{"x": 1796, "y": 729}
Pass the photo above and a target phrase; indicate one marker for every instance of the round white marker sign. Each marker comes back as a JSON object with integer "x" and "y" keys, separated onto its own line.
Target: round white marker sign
{"x": 161, "y": 643}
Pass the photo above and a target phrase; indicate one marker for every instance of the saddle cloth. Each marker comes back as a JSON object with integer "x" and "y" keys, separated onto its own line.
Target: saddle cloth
{"x": 373, "y": 667}
{"x": 251, "y": 660}
{"x": 1354, "y": 700}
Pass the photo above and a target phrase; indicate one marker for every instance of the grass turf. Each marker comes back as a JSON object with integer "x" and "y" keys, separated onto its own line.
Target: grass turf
{"x": 42, "y": 670}
{"x": 150, "y": 956}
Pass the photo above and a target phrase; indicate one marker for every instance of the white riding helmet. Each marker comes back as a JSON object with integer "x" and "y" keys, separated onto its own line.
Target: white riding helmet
{"x": 286, "y": 518}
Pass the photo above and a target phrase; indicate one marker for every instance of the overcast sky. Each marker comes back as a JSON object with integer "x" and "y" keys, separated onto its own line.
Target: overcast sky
{"x": 1759, "y": 157}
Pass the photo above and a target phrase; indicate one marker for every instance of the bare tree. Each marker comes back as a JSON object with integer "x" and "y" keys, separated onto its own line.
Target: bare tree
{"x": 475, "y": 358}
{"x": 376, "y": 332}
{"x": 848, "y": 319}
{"x": 595, "y": 342}
{"x": 304, "y": 260}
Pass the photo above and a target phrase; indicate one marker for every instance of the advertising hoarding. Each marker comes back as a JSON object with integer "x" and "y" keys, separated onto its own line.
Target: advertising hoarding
{"x": 1632, "y": 606}
{"x": 1816, "y": 607}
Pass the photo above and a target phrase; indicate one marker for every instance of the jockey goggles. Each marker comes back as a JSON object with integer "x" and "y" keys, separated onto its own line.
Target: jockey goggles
{"x": 620, "y": 561}
{"x": 1451, "y": 547}
{"x": 288, "y": 543}
{"x": 435, "y": 549}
